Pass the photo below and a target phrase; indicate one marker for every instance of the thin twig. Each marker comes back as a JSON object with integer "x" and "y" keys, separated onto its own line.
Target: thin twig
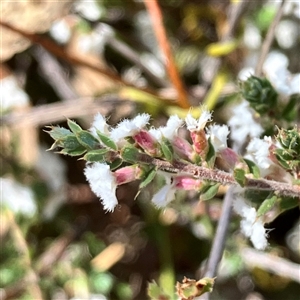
{"x": 219, "y": 239}
{"x": 160, "y": 32}
{"x": 56, "y": 112}
{"x": 220, "y": 235}
{"x": 74, "y": 60}
{"x": 271, "y": 263}
{"x": 268, "y": 40}
{"x": 134, "y": 57}
{"x": 54, "y": 74}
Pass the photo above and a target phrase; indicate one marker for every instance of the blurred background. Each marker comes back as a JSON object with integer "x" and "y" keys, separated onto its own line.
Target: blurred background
{"x": 76, "y": 58}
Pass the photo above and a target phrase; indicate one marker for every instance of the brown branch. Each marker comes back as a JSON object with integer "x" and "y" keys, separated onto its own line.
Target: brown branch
{"x": 222, "y": 177}
{"x": 160, "y": 32}
{"x": 134, "y": 57}
{"x": 268, "y": 40}
{"x": 54, "y": 74}
{"x": 271, "y": 263}
{"x": 56, "y": 112}
{"x": 60, "y": 53}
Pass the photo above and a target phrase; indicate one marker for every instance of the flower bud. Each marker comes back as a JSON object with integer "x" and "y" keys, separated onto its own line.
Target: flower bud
{"x": 259, "y": 93}
{"x": 147, "y": 142}
{"x": 128, "y": 174}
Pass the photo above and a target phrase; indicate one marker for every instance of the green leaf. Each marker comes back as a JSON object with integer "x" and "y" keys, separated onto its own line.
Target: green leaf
{"x": 130, "y": 154}
{"x": 289, "y": 202}
{"x": 107, "y": 141}
{"x": 58, "y": 132}
{"x": 209, "y": 190}
{"x": 149, "y": 176}
{"x": 267, "y": 205}
{"x": 290, "y": 111}
{"x": 87, "y": 140}
{"x": 74, "y": 152}
{"x": 254, "y": 169}
{"x": 96, "y": 155}
{"x": 70, "y": 143}
{"x": 211, "y": 155}
{"x": 240, "y": 176}
{"x": 75, "y": 128}
{"x": 167, "y": 149}
{"x": 115, "y": 164}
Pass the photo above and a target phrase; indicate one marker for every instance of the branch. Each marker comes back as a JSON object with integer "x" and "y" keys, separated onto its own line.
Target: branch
{"x": 73, "y": 60}
{"x": 268, "y": 40}
{"x": 222, "y": 177}
{"x": 271, "y": 263}
{"x": 220, "y": 235}
{"x": 160, "y": 32}
{"x": 56, "y": 112}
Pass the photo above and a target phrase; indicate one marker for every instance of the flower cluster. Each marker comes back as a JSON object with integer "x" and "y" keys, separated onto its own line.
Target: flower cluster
{"x": 133, "y": 150}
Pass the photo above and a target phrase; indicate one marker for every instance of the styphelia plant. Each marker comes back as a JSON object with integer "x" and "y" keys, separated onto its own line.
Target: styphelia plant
{"x": 134, "y": 150}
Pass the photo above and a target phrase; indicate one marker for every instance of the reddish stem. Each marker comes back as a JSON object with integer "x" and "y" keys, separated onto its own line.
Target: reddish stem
{"x": 160, "y": 32}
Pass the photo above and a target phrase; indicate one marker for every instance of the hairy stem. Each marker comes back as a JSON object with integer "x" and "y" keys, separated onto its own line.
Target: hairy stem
{"x": 222, "y": 177}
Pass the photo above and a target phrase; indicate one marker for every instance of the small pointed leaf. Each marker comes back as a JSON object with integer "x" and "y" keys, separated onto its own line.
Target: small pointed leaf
{"x": 96, "y": 155}
{"x": 87, "y": 140}
{"x": 130, "y": 154}
{"x": 267, "y": 205}
{"x": 74, "y": 152}
{"x": 70, "y": 143}
{"x": 149, "y": 176}
{"x": 115, "y": 164}
{"x": 107, "y": 141}
{"x": 209, "y": 190}
{"x": 240, "y": 176}
{"x": 254, "y": 169}
{"x": 57, "y": 132}
{"x": 75, "y": 128}
{"x": 167, "y": 149}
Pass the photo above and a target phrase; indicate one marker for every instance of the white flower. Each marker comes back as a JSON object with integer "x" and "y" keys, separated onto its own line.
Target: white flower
{"x": 218, "y": 136}
{"x": 276, "y": 70}
{"x": 171, "y": 128}
{"x": 258, "y": 235}
{"x": 196, "y": 125}
{"x": 258, "y": 152}
{"x": 128, "y": 128}
{"x": 103, "y": 184}
{"x": 251, "y": 226}
{"x": 243, "y": 125}
{"x": 156, "y": 133}
{"x": 166, "y": 194}
{"x": 99, "y": 124}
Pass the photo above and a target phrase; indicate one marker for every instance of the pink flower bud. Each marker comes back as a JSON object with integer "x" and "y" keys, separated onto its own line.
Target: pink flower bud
{"x": 200, "y": 142}
{"x": 183, "y": 148}
{"x": 128, "y": 174}
{"x": 187, "y": 183}
{"x": 146, "y": 141}
{"x": 228, "y": 159}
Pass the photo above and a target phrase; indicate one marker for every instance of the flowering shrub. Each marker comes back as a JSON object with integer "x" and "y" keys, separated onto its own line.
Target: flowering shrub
{"x": 133, "y": 150}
